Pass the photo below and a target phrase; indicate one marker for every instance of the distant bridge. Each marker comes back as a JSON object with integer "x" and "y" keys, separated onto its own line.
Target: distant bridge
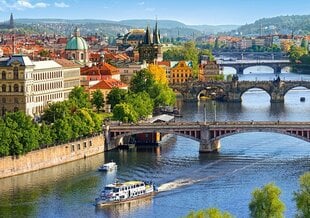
{"x": 233, "y": 91}
{"x": 250, "y": 55}
{"x": 207, "y": 134}
{"x": 241, "y": 65}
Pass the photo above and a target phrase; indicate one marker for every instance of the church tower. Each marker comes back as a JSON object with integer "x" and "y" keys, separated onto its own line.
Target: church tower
{"x": 150, "y": 50}
{"x": 11, "y": 24}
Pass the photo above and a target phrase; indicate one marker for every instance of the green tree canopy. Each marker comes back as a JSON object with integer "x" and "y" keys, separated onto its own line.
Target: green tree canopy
{"x": 266, "y": 202}
{"x": 296, "y": 53}
{"x": 143, "y": 80}
{"x": 302, "y": 196}
{"x": 162, "y": 95}
{"x": 125, "y": 112}
{"x": 79, "y": 97}
{"x": 97, "y": 99}
{"x": 209, "y": 213}
{"x": 141, "y": 103}
{"x": 55, "y": 111}
{"x": 116, "y": 96}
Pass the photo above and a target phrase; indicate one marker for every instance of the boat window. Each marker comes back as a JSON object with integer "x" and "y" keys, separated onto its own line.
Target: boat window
{"x": 116, "y": 190}
{"x": 108, "y": 188}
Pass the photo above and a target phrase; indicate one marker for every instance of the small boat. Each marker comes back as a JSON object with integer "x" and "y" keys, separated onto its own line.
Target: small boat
{"x": 108, "y": 166}
{"x": 302, "y": 99}
{"x": 118, "y": 193}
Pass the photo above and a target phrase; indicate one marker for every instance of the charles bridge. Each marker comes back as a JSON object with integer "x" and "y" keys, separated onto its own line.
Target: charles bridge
{"x": 208, "y": 134}
{"x": 232, "y": 91}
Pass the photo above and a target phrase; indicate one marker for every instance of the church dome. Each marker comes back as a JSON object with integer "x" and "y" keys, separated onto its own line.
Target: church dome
{"x": 76, "y": 42}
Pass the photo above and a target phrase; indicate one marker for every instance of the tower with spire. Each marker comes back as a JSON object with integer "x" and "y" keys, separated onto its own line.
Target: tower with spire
{"x": 11, "y": 23}
{"x": 150, "y": 49}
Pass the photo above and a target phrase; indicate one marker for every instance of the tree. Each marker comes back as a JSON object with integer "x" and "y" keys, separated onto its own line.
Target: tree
{"x": 266, "y": 203}
{"x": 97, "y": 99}
{"x": 209, "y": 213}
{"x": 162, "y": 95}
{"x": 158, "y": 73}
{"x": 302, "y": 197}
{"x": 143, "y": 80}
{"x": 304, "y": 44}
{"x": 5, "y": 139}
{"x": 116, "y": 96}
{"x": 125, "y": 112}
{"x": 46, "y": 135}
{"x": 55, "y": 111}
{"x": 79, "y": 97}
{"x": 62, "y": 130}
{"x": 191, "y": 54}
{"x": 142, "y": 104}
{"x": 296, "y": 53}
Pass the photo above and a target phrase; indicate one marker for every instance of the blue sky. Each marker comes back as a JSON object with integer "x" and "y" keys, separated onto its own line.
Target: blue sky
{"x": 212, "y": 12}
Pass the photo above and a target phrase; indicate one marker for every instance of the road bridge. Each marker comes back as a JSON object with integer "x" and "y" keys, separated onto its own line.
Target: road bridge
{"x": 241, "y": 65}
{"x": 232, "y": 91}
{"x": 208, "y": 134}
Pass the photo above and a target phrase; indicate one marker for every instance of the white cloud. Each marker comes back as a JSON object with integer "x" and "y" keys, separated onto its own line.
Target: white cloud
{"x": 141, "y": 3}
{"x": 22, "y": 5}
{"x": 61, "y": 5}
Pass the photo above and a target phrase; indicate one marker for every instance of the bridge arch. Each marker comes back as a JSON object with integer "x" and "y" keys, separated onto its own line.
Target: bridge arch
{"x": 295, "y": 86}
{"x": 163, "y": 131}
{"x": 212, "y": 91}
{"x": 255, "y": 87}
{"x": 304, "y": 138}
{"x": 249, "y": 68}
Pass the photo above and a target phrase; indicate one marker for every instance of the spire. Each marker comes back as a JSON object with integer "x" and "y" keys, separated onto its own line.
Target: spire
{"x": 156, "y": 36}
{"x": 77, "y": 32}
{"x": 11, "y": 21}
{"x": 147, "y": 37}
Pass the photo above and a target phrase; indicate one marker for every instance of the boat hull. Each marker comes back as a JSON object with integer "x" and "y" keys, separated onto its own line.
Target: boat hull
{"x": 102, "y": 203}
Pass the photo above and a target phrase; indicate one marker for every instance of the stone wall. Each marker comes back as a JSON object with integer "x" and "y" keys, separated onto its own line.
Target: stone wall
{"x": 51, "y": 156}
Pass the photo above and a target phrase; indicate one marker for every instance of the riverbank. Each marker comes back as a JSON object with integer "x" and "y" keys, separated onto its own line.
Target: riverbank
{"x": 51, "y": 156}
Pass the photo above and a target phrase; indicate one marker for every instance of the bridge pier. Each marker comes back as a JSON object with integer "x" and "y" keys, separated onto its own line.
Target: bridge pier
{"x": 210, "y": 146}
{"x": 276, "y": 98}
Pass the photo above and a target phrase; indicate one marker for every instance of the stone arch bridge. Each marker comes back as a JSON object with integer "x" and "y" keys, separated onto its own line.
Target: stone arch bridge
{"x": 207, "y": 134}
{"x": 232, "y": 91}
{"x": 241, "y": 65}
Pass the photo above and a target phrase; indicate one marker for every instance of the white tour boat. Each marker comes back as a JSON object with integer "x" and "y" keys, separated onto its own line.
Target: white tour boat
{"x": 122, "y": 192}
{"x": 108, "y": 166}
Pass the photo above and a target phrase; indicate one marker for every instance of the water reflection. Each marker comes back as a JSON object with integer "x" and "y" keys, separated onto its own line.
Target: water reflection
{"x": 125, "y": 208}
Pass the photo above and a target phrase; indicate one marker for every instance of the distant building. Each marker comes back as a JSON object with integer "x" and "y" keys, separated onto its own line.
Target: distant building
{"x": 150, "y": 49}
{"x": 9, "y": 24}
{"x": 209, "y": 70}
{"x": 77, "y": 48}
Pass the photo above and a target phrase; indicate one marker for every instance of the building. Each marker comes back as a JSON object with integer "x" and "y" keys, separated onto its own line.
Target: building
{"x": 209, "y": 71}
{"x": 71, "y": 73}
{"x": 91, "y": 75}
{"x": 29, "y": 86}
{"x": 9, "y": 24}
{"x": 105, "y": 86}
{"x": 181, "y": 72}
{"x": 150, "y": 49}
{"x": 77, "y": 48}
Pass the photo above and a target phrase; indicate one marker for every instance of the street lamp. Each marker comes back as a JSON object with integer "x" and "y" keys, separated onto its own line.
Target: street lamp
{"x": 205, "y": 113}
{"x": 214, "y": 107}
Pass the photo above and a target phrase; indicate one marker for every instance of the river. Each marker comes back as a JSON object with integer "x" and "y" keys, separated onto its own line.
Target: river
{"x": 187, "y": 180}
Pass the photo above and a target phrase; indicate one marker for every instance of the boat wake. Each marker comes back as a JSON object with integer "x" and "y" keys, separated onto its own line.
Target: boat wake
{"x": 176, "y": 184}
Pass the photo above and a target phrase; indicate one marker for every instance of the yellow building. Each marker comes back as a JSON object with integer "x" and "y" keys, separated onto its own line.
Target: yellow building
{"x": 181, "y": 72}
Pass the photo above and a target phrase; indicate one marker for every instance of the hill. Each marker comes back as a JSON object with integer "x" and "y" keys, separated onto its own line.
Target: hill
{"x": 294, "y": 24}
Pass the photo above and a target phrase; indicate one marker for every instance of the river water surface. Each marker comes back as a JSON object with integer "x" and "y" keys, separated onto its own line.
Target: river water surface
{"x": 187, "y": 180}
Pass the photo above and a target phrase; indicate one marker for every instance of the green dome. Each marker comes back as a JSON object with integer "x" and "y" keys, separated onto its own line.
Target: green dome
{"x": 76, "y": 43}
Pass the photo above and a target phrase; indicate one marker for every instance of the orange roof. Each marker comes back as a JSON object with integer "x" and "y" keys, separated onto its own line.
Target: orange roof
{"x": 109, "y": 84}
{"x": 100, "y": 69}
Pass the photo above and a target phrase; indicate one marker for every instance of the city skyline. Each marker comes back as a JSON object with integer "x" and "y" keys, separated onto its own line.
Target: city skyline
{"x": 192, "y": 13}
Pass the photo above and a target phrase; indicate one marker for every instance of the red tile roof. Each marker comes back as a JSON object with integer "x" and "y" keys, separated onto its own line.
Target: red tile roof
{"x": 109, "y": 84}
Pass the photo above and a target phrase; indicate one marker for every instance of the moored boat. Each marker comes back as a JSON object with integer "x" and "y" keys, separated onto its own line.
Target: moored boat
{"x": 108, "y": 166}
{"x": 117, "y": 193}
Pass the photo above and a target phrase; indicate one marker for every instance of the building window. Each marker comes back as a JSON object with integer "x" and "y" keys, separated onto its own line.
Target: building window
{"x": 15, "y": 72}
{"x": 3, "y": 88}
{"x": 15, "y": 88}
{"x": 16, "y": 100}
{"x": 72, "y": 148}
{"x": 3, "y": 75}
{"x": 82, "y": 56}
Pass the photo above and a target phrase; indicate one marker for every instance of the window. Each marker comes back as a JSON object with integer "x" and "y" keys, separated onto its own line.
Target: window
{"x": 82, "y": 56}
{"x": 15, "y": 72}
{"x": 3, "y": 88}
{"x": 72, "y": 148}
{"x": 3, "y": 75}
{"x": 85, "y": 145}
{"x": 15, "y": 87}
{"x": 16, "y": 100}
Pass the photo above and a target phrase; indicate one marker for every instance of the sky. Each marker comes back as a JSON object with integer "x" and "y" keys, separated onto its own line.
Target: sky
{"x": 191, "y": 12}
